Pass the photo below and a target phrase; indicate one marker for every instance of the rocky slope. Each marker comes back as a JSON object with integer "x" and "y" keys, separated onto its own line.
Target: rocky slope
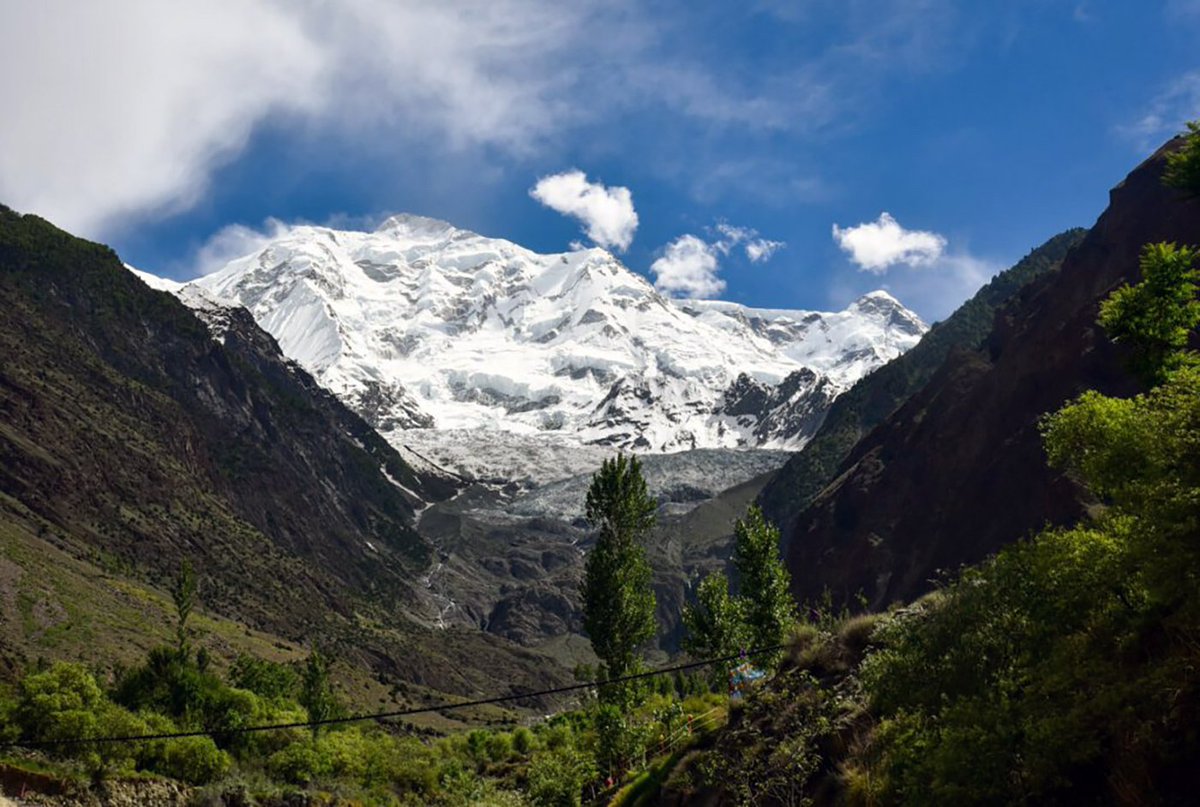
{"x": 420, "y": 325}
{"x": 966, "y": 446}
{"x": 133, "y": 436}
{"x": 865, "y": 405}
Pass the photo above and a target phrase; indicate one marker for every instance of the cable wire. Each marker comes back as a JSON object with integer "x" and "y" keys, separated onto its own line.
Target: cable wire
{"x": 379, "y": 716}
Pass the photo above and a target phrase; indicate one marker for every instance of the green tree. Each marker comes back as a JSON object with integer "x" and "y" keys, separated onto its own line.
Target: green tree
{"x": 1183, "y": 166}
{"x": 1155, "y": 316}
{"x": 1070, "y": 653}
{"x": 557, "y": 777}
{"x": 316, "y": 690}
{"x": 714, "y": 623}
{"x": 184, "y": 595}
{"x": 618, "y": 599}
{"x": 763, "y": 581}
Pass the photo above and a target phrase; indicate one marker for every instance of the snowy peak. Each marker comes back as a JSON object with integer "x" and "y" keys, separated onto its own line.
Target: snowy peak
{"x": 422, "y": 325}
{"x": 409, "y": 226}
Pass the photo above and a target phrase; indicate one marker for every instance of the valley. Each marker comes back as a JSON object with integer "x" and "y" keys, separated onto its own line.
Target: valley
{"x": 529, "y": 404}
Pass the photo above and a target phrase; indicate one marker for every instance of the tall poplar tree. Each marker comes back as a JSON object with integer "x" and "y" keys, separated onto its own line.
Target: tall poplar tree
{"x": 618, "y": 600}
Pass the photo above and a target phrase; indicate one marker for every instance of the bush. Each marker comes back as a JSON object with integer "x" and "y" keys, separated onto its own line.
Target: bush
{"x": 499, "y": 747}
{"x": 267, "y": 679}
{"x": 1183, "y": 167}
{"x": 63, "y": 702}
{"x": 557, "y": 778}
{"x": 523, "y": 741}
{"x": 855, "y": 633}
{"x": 195, "y": 760}
{"x": 300, "y": 763}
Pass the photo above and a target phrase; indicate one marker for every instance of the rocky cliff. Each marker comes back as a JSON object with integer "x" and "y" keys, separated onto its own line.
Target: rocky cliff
{"x": 958, "y": 470}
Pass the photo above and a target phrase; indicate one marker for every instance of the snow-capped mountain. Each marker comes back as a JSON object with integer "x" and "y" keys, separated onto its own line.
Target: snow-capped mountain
{"x": 420, "y": 325}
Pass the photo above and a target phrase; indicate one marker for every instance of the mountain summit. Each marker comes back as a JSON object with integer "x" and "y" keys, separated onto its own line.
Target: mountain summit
{"x": 421, "y": 325}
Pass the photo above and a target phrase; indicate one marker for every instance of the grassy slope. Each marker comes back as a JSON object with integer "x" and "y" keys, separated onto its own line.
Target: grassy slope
{"x": 130, "y": 439}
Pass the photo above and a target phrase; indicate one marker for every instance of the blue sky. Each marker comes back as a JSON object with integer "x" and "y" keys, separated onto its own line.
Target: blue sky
{"x": 980, "y": 128}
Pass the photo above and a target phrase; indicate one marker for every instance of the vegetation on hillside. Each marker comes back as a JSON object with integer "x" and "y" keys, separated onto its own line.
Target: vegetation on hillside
{"x": 873, "y": 398}
{"x": 1183, "y": 166}
{"x": 55, "y": 712}
{"x": 1060, "y": 671}
{"x": 719, "y": 624}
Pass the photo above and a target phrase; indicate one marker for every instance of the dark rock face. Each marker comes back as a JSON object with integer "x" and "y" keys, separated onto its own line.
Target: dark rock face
{"x": 959, "y": 471}
{"x": 133, "y": 432}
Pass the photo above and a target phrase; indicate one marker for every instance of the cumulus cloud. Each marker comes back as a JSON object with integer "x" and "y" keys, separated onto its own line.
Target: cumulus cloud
{"x": 688, "y": 268}
{"x": 920, "y": 269}
{"x": 878, "y": 245}
{"x": 607, "y": 214}
{"x": 690, "y": 265}
{"x": 121, "y": 111}
{"x": 757, "y": 249}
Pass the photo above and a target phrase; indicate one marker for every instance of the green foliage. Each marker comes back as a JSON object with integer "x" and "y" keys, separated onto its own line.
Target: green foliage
{"x": 1061, "y": 669}
{"x": 1143, "y": 457}
{"x": 523, "y": 741}
{"x": 1155, "y": 316}
{"x": 714, "y": 624}
{"x": 768, "y": 754}
{"x": 618, "y": 601}
{"x": 618, "y": 503}
{"x": 65, "y": 703}
{"x": 615, "y": 741}
{"x": 195, "y": 760}
{"x": 499, "y": 747}
{"x": 1183, "y": 166}
{"x": 184, "y": 596}
{"x": 60, "y": 703}
{"x": 763, "y": 580}
{"x": 557, "y": 777}
{"x": 316, "y": 690}
{"x": 762, "y": 613}
{"x": 267, "y": 679}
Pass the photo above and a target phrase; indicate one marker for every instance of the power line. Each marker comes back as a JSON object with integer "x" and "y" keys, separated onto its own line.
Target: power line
{"x": 379, "y": 716}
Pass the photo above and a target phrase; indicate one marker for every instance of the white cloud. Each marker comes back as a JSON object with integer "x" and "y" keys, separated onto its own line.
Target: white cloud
{"x": 920, "y": 270}
{"x": 235, "y": 241}
{"x": 1167, "y": 114}
{"x": 758, "y": 250}
{"x": 117, "y": 107}
{"x": 120, "y": 111}
{"x": 607, "y": 214}
{"x": 688, "y": 268}
{"x": 690, "y": 265}
{"x": 878, "y": 245}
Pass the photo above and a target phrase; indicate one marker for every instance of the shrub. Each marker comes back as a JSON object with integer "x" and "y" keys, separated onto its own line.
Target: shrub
{"x": 856, "y": 633}
{"x": 523, "y": 741}
{"x": 195, "y": 760}
{"x": 267, "y": 679}
{"x": 557, "y": 778}
{"x": 1183, "y": 167}
{"x": 499, "y": 747}
{"x": 300, "y": 763}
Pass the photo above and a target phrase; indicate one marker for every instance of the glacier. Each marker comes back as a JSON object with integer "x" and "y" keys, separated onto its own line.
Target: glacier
{"x": 473, "y": 352}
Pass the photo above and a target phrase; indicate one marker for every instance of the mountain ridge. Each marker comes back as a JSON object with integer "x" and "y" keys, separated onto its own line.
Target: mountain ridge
{"x": 133, "y": 437}
{"x": 421, "y": 325}
{"x": 991, "y": 486}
